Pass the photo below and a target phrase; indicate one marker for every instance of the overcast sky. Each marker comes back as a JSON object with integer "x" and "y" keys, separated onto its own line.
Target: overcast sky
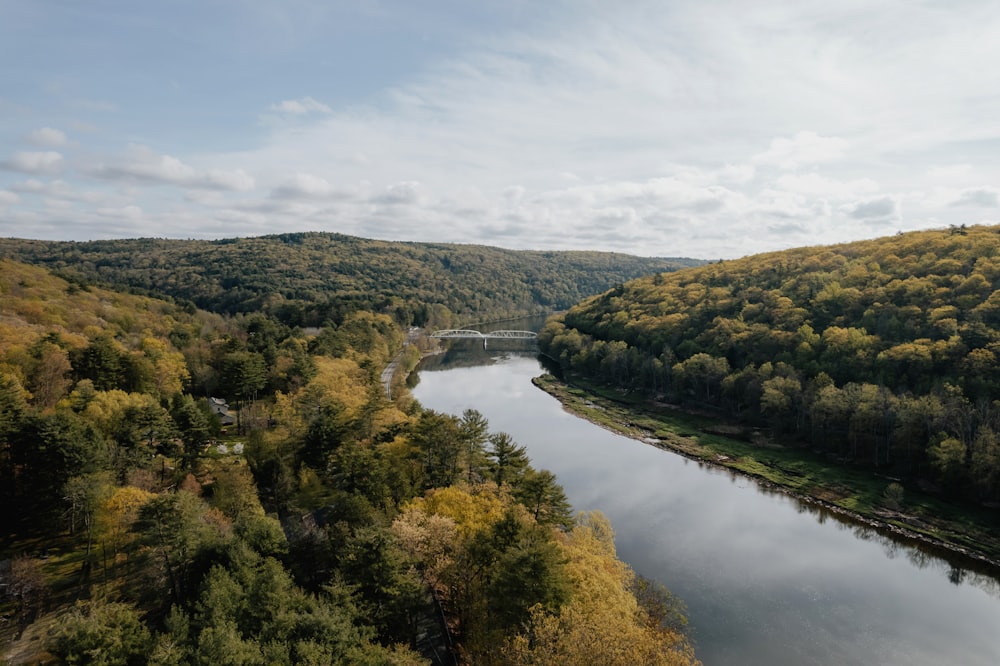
{"x": 697, "y": 128}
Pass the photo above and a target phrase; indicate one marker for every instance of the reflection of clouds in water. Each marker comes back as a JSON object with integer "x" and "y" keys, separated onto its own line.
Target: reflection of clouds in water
{"x": 765, "y": 579}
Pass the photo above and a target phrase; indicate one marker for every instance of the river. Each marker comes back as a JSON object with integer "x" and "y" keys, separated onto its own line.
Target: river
{"x": 767, "y": 579}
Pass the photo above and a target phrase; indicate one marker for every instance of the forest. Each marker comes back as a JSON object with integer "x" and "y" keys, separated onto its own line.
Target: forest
{"x": 882, "y": 354}
{"x": 318, "y": 523}
{"x": 309, "y": 279}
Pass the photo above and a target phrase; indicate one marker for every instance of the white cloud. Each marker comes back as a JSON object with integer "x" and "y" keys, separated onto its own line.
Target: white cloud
{"x": 38, "y": 162}
{"x": 238, "y": 180}
{"x": 410, "y": 192}
{"x": 142, "y": 164}
{"x": 56, "y": 190}
{"x": 31, "y": 185}
{"x": 818, "y": 185}
{"x": 47, "y": 137}
{"x": 982, "y": 197}
{"x": 951, "y": 174}
{"x": 802, "y": 149}
{"x": 884, "y": 208}
{"x": 301, "y": 107}
{"x": 308, "y": 186}
{"x": 7, "y": 198}
{"x": 687, "y": 127}
{"x": 130, "y": 213}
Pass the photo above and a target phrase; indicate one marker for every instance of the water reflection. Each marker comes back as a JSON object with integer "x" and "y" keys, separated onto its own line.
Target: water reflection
{"x": 765, "y": 578}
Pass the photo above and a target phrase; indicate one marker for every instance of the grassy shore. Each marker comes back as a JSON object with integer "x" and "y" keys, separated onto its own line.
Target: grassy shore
{"x": 972, "y": 532}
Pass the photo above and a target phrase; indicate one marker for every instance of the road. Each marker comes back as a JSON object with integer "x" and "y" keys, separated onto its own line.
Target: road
{"x": 390, "y": 370}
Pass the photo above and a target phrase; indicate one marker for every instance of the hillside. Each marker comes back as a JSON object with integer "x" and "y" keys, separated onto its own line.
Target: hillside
{"x": 312, "y": 527}
{"x": 306, "y": 279}
{"x": 881, "y": 353}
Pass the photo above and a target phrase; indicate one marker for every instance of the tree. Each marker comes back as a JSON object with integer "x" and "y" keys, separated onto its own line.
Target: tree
{"x": 176, "y": 526}
{"x": 509, "y": 460}
{"x": 103, "y": 362}
{"x": 103, "y": 634}
{"x": 948, "y": 458}
{"x": 168, "y": 368}
{"x": 389, "y": 594}
{"x": 49, "y": 378}
{"x": 781, "y": 398}
{"x": 234, "y": 491}
{"x": 356, "y": 469}
{"x": 474, "y": 430}
{"x": 528, "y": 573}
{"x": 51, "y": 448}
{"x": 116, "y": 516}
{"x": 544, "y": 498}
{"x": 244, "y": 373}
{"x": 84, "y": 496}
{"x": 438, "y": 439}
{"x": 13, "y": 408}
{"x": 27, "y": 587}
{"x": 600, "y": 604}
{"x": 193, "y": 427}
{"x": 326, "y": 432}
{"x": 985, "y": 463}
{"x": 702, "y": 374}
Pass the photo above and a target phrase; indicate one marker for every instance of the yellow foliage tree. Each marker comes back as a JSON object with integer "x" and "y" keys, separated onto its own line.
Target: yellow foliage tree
{"x": 602, "y": 623}
{"x": 115, "y": 518}
{"x": 106, "y": 409}
{"x": 169, "y": 368}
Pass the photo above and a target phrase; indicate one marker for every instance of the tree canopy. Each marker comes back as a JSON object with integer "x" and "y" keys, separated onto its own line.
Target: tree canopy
{"x": 883, "y": 351}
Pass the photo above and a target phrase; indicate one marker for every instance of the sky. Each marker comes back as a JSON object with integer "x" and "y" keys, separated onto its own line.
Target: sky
{"x": 701, "y": 128}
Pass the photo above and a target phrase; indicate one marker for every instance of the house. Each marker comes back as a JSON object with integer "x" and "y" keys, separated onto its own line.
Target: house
{"x": 221, "y": 409}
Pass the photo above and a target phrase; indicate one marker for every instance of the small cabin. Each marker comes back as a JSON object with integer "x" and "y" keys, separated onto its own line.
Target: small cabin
{"x": 221, "y": 409}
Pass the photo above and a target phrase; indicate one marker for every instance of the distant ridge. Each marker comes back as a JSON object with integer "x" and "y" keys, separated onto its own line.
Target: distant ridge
{"x": 309, "y": 278}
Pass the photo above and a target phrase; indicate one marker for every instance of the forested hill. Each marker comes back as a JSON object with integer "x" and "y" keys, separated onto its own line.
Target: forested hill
{"x": 882, "y": 351}
{"x": 298, "y": 516}
{"x": 307, "y": 279}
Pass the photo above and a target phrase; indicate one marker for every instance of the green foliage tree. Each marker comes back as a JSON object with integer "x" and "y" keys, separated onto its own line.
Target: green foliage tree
{"x": 880, "y": 352}
{"x": 104, "y": 634}
{"x": 192, "y": 425}
{"x": 544, "y": 498}
{"x": 509, "y": 460}
{"x": 474, "y": 433}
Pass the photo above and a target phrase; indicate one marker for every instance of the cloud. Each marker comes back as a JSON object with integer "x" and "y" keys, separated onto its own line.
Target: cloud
{"x": 803, "y": 148}
{"x": 815, "y": 184}
{"x": 883, "y": 208}
{"x": 309, "y": 186}
{"x": 141, "y": 164}
{"x": 47, "y": 137}
{"x": 31, "y": 186}
{"x": 981, "y": 197}
{"x": 37, "y": 162}
{"x": 695, "y": 128}
{"x": 131, "y": 213}
{"x": 56, "y": 190}
{"x": 410, "y": 192}
{"x": 7, "y": 198}
{"x": 301, "y": 107}
{"x": 218, "y": 179}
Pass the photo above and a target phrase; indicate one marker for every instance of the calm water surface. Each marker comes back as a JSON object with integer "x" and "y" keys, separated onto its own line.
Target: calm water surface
{"x": 767, "y": 579}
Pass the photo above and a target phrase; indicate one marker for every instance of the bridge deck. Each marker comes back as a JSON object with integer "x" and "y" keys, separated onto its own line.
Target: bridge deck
{"x": 489, "y": 335}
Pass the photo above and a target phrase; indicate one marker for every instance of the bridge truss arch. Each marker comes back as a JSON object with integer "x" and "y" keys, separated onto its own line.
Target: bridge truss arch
{"x": 490, "y": 335}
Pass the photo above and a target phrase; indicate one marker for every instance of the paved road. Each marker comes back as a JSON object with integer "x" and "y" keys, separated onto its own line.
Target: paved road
{"x": 390, "y": 370}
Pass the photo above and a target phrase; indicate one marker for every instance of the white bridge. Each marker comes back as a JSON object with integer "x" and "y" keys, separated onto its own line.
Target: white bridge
{"x": 491, "y": 335}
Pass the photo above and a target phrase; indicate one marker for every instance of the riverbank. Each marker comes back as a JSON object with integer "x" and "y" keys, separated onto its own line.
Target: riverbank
{"x": 969, "y": 533}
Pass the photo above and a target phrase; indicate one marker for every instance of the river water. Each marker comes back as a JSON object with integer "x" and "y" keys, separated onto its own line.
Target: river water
{"x": 767, "y": 579}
